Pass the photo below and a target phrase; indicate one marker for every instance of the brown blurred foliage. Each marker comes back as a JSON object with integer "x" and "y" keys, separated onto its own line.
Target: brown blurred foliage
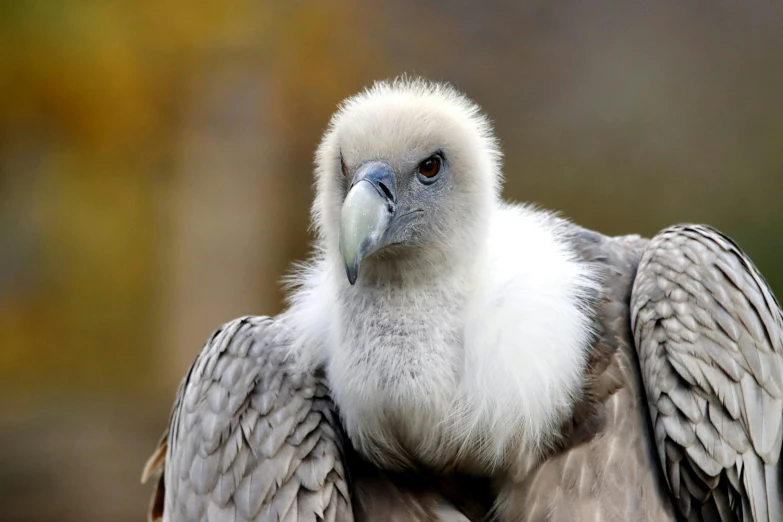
{"x": 155, "y": 176}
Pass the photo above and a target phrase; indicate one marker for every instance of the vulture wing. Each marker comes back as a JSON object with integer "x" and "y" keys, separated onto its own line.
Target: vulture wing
{"x": 709, "y": 334}
{"x": 250, "y": 439}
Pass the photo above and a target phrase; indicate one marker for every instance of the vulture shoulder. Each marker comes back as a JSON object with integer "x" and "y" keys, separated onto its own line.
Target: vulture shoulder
{"x": 709, "y": 336}
{"x": 250, "y": 438}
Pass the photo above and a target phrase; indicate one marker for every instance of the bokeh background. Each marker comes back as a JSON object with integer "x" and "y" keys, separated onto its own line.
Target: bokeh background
{"x": 156, "y": 171}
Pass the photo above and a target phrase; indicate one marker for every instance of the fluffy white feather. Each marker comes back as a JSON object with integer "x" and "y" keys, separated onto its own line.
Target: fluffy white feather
{"x": 467, "y": 352}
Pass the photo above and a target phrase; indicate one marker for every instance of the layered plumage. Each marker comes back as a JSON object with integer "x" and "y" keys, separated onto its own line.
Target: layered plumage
{"x": 709, "y": 334}
{"x": 481, "y": 355}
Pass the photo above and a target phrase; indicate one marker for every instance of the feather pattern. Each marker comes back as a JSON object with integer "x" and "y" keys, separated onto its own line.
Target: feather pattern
{"x": 709, "y": 334}
{"x": 254, "y": 438}
{"x": 249, "y": 438}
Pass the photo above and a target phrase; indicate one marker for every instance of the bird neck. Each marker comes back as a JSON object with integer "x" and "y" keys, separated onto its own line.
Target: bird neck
{"x": 416, "y": 268}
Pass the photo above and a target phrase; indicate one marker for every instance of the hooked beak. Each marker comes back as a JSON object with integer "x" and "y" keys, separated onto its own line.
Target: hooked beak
{"x": 367, "y": 215}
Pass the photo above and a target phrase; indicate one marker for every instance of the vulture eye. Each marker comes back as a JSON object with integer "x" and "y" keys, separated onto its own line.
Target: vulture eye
{"x": 430, "y": 167}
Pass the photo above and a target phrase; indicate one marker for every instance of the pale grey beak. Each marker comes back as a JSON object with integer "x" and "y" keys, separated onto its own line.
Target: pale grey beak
{"x": 367, "y": 212}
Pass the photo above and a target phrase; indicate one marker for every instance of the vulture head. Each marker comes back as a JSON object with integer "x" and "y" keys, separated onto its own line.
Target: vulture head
{"x": 406, "y": 170}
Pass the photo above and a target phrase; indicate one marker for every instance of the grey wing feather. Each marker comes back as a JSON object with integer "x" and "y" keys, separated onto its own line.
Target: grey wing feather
{"x": 709, "y": 334}
{"x": 250, "y": 437}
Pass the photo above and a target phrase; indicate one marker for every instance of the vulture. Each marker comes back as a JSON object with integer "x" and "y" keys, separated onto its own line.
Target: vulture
{"x": 446, "y": 356}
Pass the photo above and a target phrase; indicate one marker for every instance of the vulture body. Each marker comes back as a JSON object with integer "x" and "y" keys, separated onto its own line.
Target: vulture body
{"x": 448, "y": 357}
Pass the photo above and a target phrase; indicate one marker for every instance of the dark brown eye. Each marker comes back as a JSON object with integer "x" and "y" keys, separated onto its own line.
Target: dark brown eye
{"x": 430, "y": 167}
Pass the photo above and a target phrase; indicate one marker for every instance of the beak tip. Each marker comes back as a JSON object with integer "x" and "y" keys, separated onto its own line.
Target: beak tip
{"x": 352, "y": 273}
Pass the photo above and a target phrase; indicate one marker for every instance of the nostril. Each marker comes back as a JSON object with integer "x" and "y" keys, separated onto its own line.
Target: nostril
{"x": 386, "y": 191}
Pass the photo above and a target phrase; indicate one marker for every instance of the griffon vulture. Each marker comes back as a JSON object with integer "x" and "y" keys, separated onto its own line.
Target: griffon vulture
{"x": 447, "y": 356}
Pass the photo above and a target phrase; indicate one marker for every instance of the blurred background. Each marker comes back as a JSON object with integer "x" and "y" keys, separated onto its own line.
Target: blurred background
{"x": 156, "y": 171}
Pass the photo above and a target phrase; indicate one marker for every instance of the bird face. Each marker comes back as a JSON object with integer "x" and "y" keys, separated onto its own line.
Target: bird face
{"x": 375, "y": 214}
{"x": 404, "y": 171}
